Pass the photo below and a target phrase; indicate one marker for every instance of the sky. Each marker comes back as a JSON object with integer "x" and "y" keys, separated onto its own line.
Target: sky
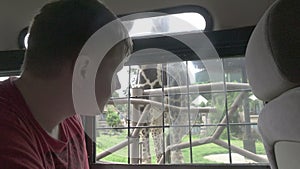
{"x": 183, "y": 22}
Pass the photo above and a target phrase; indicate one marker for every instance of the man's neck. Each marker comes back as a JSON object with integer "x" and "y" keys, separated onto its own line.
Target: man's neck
{"x": 48, "y": 100}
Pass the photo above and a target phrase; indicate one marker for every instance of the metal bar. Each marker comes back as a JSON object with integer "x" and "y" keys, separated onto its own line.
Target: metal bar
{"x": 168, "y": 126}
{"x": 189, "y": 112}
{"x": 187, "y": 144}
{"x": 114, "y": 165}
{"x": 157, "y": 94}
{"x": 113, "y": 149}
{"x": 135, "y": 116}
{"x": 125, "y": 142}
{"x": 128, "y": 119}
{"x": 232, "y": 109}
{"x": 201, "y": 88}
{"x": 163, "y": 108}
{"x": 227, "y": 114}
{"x": 221, "y": 143}
{"x": 158, "y": 104}
{"x": 248, "y": 141}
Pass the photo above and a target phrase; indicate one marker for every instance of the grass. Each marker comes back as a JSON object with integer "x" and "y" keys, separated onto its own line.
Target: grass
{"x": 199, "y": 152}
{"x": 105, "y": 142}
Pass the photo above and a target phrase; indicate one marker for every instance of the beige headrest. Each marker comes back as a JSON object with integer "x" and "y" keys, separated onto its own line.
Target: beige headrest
{"x": 273, "y": 52}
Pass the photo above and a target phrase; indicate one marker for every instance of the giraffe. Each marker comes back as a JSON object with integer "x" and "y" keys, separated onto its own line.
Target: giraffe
{"x": 157, "y": 76}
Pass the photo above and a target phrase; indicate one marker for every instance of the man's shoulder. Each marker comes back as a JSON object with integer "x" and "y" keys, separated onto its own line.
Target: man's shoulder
{"x": 8, "y": 91}
{"x": 6, "y": 96}
{"x": 74, "y": 124}
{"x": 4, "y": 92}
{"x": 9, "y": 115}
{"x": 11, "y": 105}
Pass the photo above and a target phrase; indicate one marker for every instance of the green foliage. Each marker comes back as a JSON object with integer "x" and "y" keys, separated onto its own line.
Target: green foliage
{"x": 224, "y": 135}
{"x": 202, "y": 104}
{"x": 112, "y": 117}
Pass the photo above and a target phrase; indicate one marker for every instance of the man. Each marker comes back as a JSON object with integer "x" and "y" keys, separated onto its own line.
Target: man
{"x": 38, "y": 122}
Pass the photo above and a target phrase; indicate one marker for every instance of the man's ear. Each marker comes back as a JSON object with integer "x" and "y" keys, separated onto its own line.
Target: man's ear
{"x": 83, "y": 66}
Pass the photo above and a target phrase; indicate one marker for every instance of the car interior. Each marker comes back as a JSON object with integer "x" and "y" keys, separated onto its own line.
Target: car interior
{"x": 209, "y": 84}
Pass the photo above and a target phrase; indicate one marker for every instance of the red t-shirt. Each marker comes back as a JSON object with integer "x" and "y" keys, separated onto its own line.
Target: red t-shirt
{"x": 24, "y": 144}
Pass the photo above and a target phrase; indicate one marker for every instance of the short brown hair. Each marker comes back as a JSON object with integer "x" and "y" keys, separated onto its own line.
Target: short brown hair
{"x": 58, "y": 33}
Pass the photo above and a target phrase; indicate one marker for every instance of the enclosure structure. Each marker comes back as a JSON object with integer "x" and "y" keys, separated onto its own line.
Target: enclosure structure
{"x": 220, "y": 127}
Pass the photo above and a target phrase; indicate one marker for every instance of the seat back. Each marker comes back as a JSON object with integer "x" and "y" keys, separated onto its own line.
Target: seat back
{"x": 284, "y": 150}
{"x": 273, "y": 69}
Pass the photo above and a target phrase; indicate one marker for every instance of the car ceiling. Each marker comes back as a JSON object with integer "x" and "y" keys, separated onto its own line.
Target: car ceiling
{"x": 226, "y": 14}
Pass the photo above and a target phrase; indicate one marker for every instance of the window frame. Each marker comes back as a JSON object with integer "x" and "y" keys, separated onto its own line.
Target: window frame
{"x": 228, "y": 43}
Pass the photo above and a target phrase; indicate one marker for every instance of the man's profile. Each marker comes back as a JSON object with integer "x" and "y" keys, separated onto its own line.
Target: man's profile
{"x": 38, "y": 124}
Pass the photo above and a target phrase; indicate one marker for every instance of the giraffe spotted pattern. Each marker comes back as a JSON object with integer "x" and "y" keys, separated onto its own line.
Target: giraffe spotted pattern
{"x": 157, "y": 76}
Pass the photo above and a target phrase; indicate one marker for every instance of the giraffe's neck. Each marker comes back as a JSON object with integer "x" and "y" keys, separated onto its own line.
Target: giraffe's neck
{"x": 151, "y": 76}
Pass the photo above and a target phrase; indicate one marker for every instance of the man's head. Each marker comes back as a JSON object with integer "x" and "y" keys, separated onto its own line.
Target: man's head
{"x": 58, "y": 33}
{"x": 57, "y": 37}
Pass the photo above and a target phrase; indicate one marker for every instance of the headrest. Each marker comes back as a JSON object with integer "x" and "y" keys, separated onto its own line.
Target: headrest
{"x": 273, "y": 52}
